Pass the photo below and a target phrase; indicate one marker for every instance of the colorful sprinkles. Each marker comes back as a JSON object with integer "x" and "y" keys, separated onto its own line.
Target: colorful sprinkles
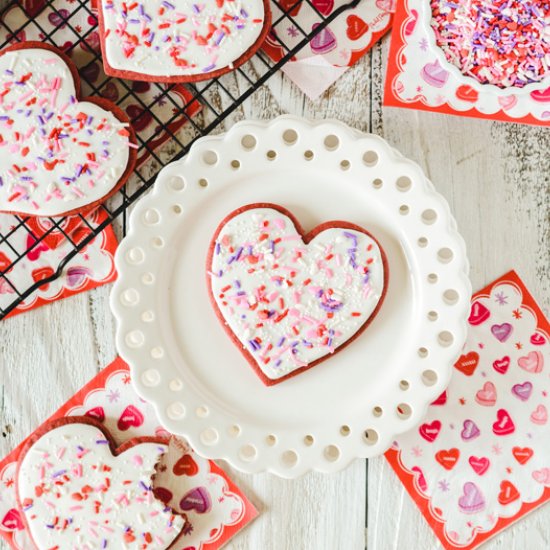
{"x": 501, "y": 42}
{"x": 76, "y": 494}
{"x": 55, "y": 153}
{"x": 178, "y": 37}
{"x": 290, "y": 303}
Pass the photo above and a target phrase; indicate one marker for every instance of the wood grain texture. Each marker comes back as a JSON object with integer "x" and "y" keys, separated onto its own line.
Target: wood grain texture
{"x": 496, "y": 178}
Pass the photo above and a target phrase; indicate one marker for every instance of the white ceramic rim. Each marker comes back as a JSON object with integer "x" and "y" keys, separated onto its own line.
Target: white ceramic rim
{"x": 180, "y": 410}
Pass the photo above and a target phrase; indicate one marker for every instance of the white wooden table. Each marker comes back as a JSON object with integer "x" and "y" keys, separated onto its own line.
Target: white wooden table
{"x": 496, "y": 177}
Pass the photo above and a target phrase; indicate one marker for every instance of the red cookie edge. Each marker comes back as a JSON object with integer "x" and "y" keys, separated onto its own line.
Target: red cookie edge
{"x": 106, "y": 105}
{"x": 115, "y": 451}
{"x": 306, "y": 237}
{"x": 132, "y": 75}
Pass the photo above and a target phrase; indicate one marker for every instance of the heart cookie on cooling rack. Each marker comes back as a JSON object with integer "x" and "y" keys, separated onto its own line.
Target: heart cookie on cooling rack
{"x": 77, "y": 491}
{"x": 291, "y": 299}
{"x": 180, "y": 40}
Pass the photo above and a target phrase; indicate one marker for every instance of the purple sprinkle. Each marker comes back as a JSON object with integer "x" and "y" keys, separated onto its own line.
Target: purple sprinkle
{"x": 102, "y": 442}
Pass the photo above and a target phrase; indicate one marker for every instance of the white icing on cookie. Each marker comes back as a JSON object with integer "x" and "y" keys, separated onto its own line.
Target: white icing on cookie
{"x": 56, "y": 154}
{"x": 76, "y": 494}
{"x": 289, "y": 303}
{"x": 179, "y": 37}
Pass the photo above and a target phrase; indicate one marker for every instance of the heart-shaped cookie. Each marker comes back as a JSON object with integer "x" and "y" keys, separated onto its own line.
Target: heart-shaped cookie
{"x": 75, "y": 489}
{"x": 291, "y": 299}
{"x": 58, "y": 155}
{"x": 179, "y": 40}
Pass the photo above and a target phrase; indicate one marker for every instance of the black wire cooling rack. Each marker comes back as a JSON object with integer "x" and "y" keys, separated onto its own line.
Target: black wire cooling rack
{"x": 201, "y": 107}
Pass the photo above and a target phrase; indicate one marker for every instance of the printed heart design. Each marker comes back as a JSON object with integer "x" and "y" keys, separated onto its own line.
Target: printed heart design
{"x": 508, "y": 493}
{"x": 502, "y": 332}
{"x": 472, "y": 500}
{"x": 356, "y": 27}
{"x": 110, "y": 92}
{"x": 186, "y": 466}
{"x": 141, "y": 87}
{"x": 290, "y": 7}
{"x": 467, "y": 363}
{"x": 448, "y": 458}
{"x": 434, "y": 74}
{"x": 411, "y": 23}
{"x": 59, "y": 17}
{"x": 539, "y": 415}
{"x": 33, "y": 7}
{"x": 140, "y": 117}
{"x": 96, "y": 149}
{"x": 131, "y": 417}
{"x": 386, "y": 5}
{"x": 5, "y": 262}
{"x": 441, "y": 400}
{"x": 163, "y": 494}
{"x": 12, "y": 521}
{"x": 487, "y": 396}
{"x": 522, "y": 391}
{"x": 282, "y": 295}
{"x": 430, "y": 431}
{"x": 508, "y": 102}
{"x": 532, "y": 362}
{"x": 537, "y": 339}
{"x": 198, "y": 499}
{"x": 420, "y": 479}
{"x": 323, "y": 42}
{"x": 91, "y": 41}
{"x": 77, "y": 276}
{"x": 522, "y": 454}
{"x": 34, "y": 251}
{"x": 213, "y": 38}
{"x": 501, "y": 365}
{"x": 542, "y": 476}
{"x": 90, "y": 72}
{"x": 504, "y": 424}
{"x": 478, "y": 314}
{"x": 469, "y": 430}
{"x": 467, "y": 93}
{"x": 98, "y": 485}
{"x": 324, "y": 7}
{"x": 97, "y": 412}
{"x": 541, "y": 95}
{"x": 42, "y": 273}
{"x": 479, "y": 464}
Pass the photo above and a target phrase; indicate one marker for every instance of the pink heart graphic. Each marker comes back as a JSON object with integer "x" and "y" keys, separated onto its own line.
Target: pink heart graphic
{"x": 478, "y": 314}
{"x": 197, "y": 499}
{"x": 479, "y": 464}
{"x": 420, "y": 479}
{"x": 434, "y": 74}
{"x": 532, "y": 362}
{"x": 57, "y": 19}
{"x": 411, "y": 23}
{"x": 324, "y": 7}
{"x": 97, "y": 412}
{"x": 77, "y": 275}
{"x": 488, "y": 395}
{"x": 537, "y": 339}
{"x": 541, "y": 95}
{"x": 542, "y": 476}
{"x": 502, "y": 332}
{"x": 430, "y": 431}
{"x": 130, "y": 417}
{"x": 504, "y": 424}
{"x": 12, "y": 521}
{"x": 539, "y": 415}
{"x": 35, "y": 252}
{"x": 92, "y": 41}
{"x": 469, "y": 430}
{"x": 522, "y": 391}
{"x": 508, "y": 102}
{"x": 501, "y": 365}
{"x": 472, "y": 501}
{"x": 386, "y": 5}
{"x": 324, "y": 42}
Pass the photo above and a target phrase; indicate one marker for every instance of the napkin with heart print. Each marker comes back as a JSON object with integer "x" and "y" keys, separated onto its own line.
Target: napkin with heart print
{"x": 214, "y": 506}
{"x": 336, "y": 48}
{"x": 481, "y": 459}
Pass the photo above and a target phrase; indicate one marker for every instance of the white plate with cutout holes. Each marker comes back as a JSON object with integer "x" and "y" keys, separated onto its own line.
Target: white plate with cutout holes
{"x": 353, "y": 404}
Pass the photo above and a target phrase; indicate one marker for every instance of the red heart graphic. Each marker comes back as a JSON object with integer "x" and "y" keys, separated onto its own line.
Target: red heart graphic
{"x": 467, "y": 363}
{"x": 522, "y": 454}
{"x": 130, "y": 417}
{"x": 420, "y": 479}
{"x": 90, "y": 72}
{"x": 34, "y": 253}
{"x": 448, "y": 459}
{"x": 478, "y": 314}
{"x": 324, "y": 7}
{"x": 197, "y": 499}
{"x": 501, "y": 365}
{"x": 12, "y": 521}
{"x": 504, "y": 424}
{"x": 97, "y": 412}
{"x": 33, "y": 7}
{"x": 141, "y": 87}
{"x": 5, "y": 262}
{"x": 537, "y": 339}
{"x": 92, "y": 41}
{"x": 356, "y": 27}
{"x": 411, "y": 23}
{"x": 479, "y": 464}
{"x": 541, "y": 95}
{"x": 163, "y": 494}
{"x": 441, "y": 400}
{"x": 508, "y": 493}
{"x": 185, "y": 466}
{"x": 287, "y": 4}
{"x": 467, "y": 93}
{"x": 42, "y": 273}
{"x": 139, "y": 117}
{"x": 430, "y": 431}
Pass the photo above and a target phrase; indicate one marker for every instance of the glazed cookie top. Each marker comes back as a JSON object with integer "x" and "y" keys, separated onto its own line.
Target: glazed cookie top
{"x": 290, "y": 303}
{"x": 179, "y": 37}
{"x": 57, "y": 154}
{"x": 76, "y": 494}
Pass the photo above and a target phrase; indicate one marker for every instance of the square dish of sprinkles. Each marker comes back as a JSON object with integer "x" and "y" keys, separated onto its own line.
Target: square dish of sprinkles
{"x": 501, "y": 42}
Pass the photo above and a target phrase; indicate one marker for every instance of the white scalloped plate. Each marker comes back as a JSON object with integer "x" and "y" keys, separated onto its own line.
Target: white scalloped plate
{"x": 356, "y": 402}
